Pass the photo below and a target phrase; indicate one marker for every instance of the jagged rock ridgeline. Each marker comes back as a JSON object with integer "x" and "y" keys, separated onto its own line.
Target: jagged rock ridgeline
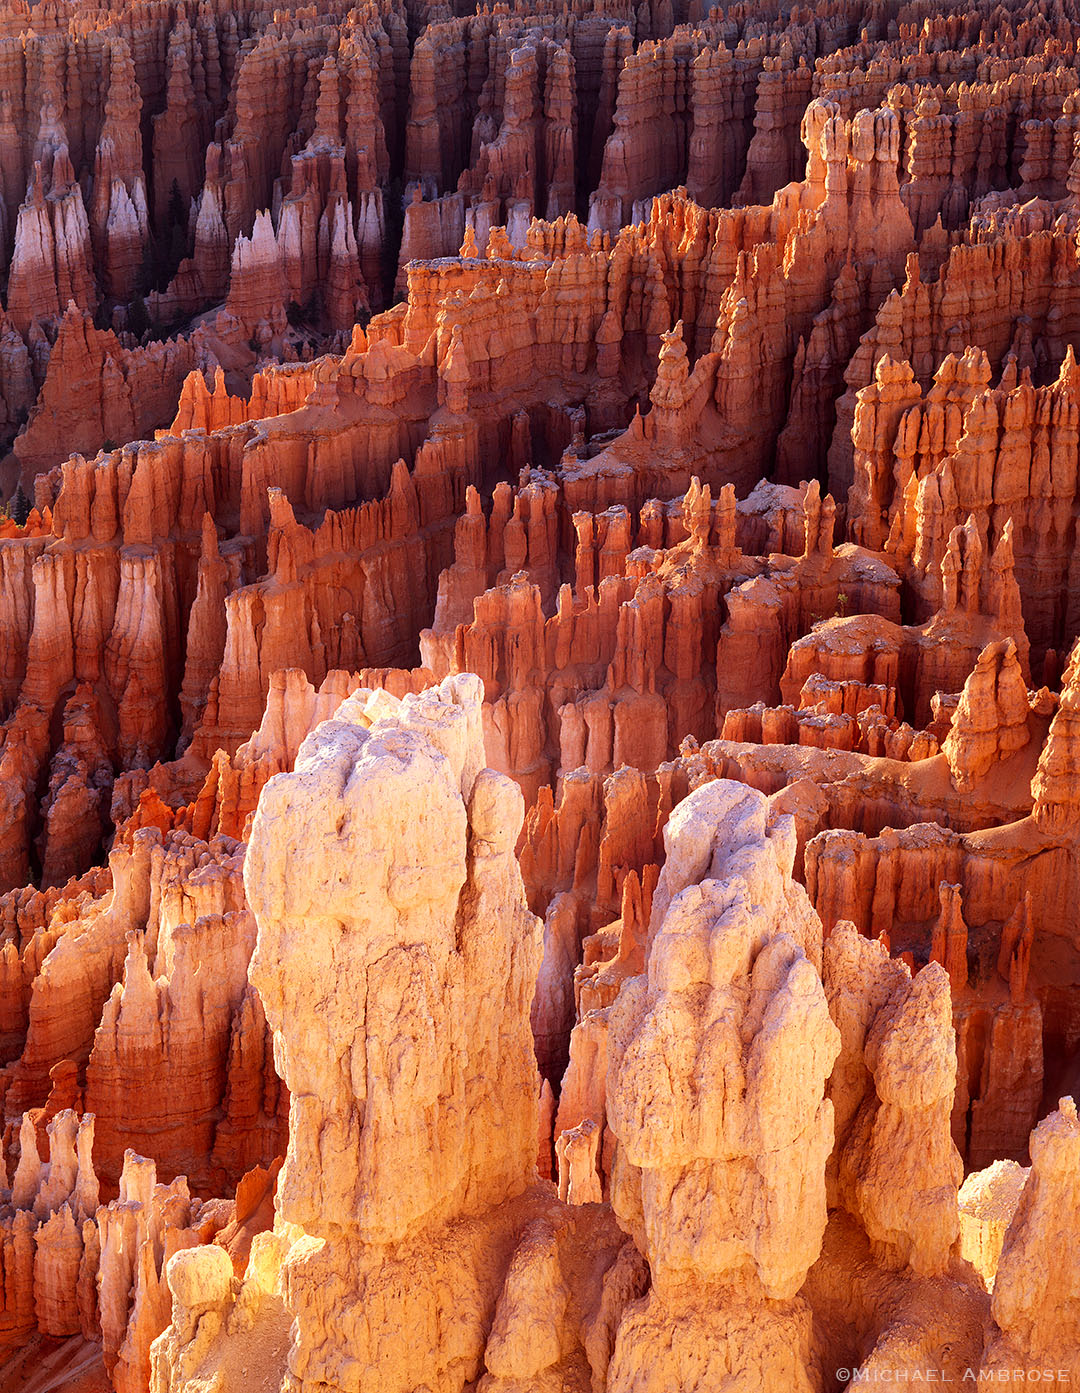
{"x": 538, "y": 761}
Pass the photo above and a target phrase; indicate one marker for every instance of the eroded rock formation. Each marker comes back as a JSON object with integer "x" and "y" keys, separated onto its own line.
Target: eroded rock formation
{"x": 538, "y": 744}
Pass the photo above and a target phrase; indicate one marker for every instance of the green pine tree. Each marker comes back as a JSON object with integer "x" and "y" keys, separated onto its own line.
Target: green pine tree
{"x": 20, "y": 506}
